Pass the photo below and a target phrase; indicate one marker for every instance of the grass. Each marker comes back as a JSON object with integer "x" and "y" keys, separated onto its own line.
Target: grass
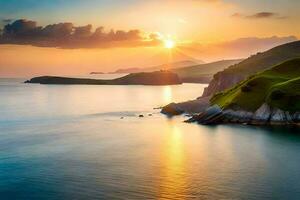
{"x": 278, "y": 86}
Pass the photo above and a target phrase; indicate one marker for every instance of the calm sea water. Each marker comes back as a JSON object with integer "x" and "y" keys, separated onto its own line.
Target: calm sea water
{"x": 87, "y": 142}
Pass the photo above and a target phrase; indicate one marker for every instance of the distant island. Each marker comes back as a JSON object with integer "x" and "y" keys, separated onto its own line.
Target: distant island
{"x": 97, "y": 73}
{"x": 144, "y": 78}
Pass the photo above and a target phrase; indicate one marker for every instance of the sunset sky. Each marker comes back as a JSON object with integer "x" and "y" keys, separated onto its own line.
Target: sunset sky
{"x": 203, "y": 29}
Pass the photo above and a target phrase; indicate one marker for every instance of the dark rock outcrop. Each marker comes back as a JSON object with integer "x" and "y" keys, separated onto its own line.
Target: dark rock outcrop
{"x": 265, "y": 115}
{"x": 172, "y": 109}
{"x": 149, "y": 78}
{"x": 192, "y": 107}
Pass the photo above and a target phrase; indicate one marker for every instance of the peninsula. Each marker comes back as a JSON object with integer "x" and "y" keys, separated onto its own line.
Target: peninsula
{"x": 270, "y": 97}
{"x": 143, "y": 78}
{"x": 237, "y": 73}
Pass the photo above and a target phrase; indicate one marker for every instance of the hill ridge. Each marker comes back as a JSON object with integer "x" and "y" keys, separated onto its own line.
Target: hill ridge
{"x": 258, "y": 62}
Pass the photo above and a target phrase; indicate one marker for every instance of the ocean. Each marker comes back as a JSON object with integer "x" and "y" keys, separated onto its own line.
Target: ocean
{"x": 88, "y": 142}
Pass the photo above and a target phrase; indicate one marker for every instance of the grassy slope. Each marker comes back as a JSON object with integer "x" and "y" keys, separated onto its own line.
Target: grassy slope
{"x": 278, "y": 86}
{"x": 204, "y": 70}
{"x": 252, "y": 65}
{"x": 263, "y": 61}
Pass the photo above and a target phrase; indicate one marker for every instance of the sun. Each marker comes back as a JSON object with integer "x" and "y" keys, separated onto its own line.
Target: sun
{"x": 169, "y": 44}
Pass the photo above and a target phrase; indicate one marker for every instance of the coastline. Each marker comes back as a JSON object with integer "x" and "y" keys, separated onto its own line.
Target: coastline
{"x": 143, "y": 78}
{"x": 264, "y": 116}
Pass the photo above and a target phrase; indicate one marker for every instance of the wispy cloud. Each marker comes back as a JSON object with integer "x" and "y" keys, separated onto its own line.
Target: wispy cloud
{"x": 66, "y": 35}
{"x": 6, "y": 21}
{"x": 259, "y": 15}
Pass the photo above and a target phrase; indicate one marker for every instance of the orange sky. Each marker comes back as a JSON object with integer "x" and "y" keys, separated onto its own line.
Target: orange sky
{"x": 204, "y": 29}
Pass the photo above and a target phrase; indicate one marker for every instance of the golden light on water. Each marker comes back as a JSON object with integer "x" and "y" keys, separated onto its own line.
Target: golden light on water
{"x": 167, "y": 94}
{"x": 173, "y": 173}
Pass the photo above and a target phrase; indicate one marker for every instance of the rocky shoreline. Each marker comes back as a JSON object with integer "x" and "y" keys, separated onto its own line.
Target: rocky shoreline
{"x": 189, "y": 107}
{"x": 265, "y": 115}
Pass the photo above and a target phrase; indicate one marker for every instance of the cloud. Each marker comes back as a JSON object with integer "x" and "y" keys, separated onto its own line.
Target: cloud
{"x": 208, "y": 1}
{"x": 263, "y": 15}
{"x": 253, "y": 43}
{"x": 259, "y": 15}
{"x": 6, "y": 21}
{"x": 66, "y": 35}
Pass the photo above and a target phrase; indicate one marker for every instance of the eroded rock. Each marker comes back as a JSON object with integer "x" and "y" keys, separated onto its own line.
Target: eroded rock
{"x": 264, "y": 115}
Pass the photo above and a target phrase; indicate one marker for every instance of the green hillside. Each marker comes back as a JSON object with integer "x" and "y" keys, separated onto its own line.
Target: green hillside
{"x": 278, "y": 86}
{"x": 203, "y": 73}
{"x": 256, "y": 63}
{"x": 261, "y": 61}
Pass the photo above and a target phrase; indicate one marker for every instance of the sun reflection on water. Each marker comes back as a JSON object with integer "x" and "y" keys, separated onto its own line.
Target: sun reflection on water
{"x": 173, "y": 181}
{"x": 167, "y": 94}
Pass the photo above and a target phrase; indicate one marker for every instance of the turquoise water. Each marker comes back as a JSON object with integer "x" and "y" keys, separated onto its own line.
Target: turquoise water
{"x": 87, "y": 142}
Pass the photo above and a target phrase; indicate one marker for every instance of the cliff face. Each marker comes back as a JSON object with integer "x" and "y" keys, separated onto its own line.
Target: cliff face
{"x": 221, "y": 82}
{"x": 259, "y": 62}
{"x": 265, "y": 115}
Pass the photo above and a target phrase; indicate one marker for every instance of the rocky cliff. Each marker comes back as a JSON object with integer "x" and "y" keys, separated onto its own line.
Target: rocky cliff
{"x": 264, "y": 115}
{"x": 221, "y": 82}
{"x": 269, "y": 97}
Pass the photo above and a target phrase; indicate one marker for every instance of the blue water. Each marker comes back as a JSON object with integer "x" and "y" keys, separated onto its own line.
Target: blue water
{"x": 87, "y": 142}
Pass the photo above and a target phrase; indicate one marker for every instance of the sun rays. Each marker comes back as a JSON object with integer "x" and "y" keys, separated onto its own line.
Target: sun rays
{"x": 169, "y": 43}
